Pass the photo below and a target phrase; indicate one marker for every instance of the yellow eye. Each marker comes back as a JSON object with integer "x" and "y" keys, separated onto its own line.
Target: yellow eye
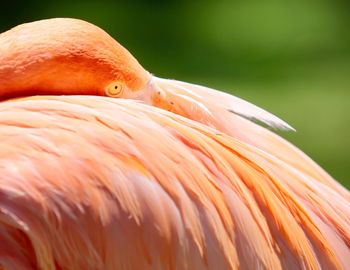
{"x": 115, "y": 89}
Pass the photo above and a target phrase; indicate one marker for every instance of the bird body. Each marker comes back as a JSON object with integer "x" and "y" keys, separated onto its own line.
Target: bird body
{"x": 89, "y": 181}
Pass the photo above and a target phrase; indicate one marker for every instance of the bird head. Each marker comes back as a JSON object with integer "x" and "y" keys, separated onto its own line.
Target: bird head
{"x": 66, "y": 56}
{"x": 72, "y": 57}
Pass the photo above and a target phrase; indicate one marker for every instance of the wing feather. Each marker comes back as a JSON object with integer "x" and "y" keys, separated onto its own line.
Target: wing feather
{"x": 219, "y": 103}
{"x": 91, "y": 183}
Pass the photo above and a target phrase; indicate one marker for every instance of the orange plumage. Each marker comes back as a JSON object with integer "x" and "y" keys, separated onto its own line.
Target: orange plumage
{"x": 94, "y": 182}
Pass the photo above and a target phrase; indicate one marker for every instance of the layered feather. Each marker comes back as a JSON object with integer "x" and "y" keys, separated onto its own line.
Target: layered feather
{"x": 96, "y": 183}
{"x": 232, "y": 115}
{"x": 213, "y": 103}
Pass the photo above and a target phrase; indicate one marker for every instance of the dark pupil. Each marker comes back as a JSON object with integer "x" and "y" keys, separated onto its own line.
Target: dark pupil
{"x": 116, "y": 87}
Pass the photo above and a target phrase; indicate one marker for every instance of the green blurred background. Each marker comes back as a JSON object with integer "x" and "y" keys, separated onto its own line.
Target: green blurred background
{"x": 290, "y": 57}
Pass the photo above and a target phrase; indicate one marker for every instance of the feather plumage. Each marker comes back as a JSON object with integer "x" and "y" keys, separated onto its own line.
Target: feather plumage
{"x": 90, "y": 183}
{"x": 216, "y": 103}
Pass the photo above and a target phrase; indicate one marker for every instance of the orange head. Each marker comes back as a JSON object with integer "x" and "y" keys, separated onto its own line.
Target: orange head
{"x": 65, "y": 56}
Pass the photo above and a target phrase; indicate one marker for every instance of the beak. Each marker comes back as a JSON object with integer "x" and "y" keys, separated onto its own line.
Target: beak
{"x": 208, "y": 106}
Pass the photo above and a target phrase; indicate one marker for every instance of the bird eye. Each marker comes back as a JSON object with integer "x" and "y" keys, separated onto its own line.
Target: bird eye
{"x": 115, "y": 89}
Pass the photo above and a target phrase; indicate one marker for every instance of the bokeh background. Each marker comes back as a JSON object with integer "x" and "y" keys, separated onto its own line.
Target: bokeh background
{"x": 289, "y": 57}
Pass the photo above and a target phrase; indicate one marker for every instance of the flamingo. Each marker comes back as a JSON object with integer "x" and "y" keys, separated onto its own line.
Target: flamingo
{"x": 105, "y": 166}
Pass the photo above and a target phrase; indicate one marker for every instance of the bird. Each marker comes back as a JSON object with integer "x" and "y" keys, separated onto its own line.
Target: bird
{"x": 103, "y": 165}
